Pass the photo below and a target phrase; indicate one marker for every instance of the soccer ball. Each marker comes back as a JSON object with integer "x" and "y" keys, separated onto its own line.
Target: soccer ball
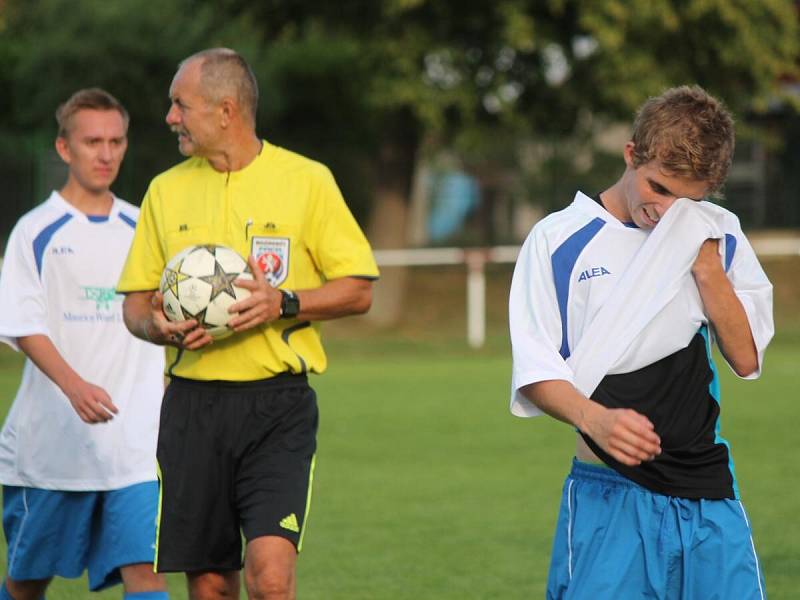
{"x": 197, "y": 283}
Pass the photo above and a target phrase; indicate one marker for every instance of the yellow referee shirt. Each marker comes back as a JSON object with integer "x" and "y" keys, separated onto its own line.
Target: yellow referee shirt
{"x": 282, "y": 208}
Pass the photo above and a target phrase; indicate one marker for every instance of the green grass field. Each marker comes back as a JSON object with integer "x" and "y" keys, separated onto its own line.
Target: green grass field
{"x": 427, "y": 488}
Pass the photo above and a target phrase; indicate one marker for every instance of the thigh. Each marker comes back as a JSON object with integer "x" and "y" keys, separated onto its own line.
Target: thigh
{"x": 48, "y": 532}
{"x": 124, "y": 532}
{"x": 275, "y": 476}
{"x": 198, "y": 528}
{"x": 607, "y": 539}
{"x": 721, "y": 557}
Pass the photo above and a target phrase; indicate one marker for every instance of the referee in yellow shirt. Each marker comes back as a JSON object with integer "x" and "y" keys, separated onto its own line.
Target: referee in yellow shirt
{"x": 238, "y": 424}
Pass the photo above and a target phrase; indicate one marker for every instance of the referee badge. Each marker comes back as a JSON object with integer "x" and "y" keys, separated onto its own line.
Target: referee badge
{"x": 272, "y": 255}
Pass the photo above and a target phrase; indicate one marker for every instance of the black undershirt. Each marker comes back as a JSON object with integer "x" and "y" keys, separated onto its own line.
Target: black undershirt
{"x": 674, "y": 394}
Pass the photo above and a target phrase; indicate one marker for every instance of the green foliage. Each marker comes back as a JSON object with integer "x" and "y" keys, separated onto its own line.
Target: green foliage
{"x": 50, "y": 48}
{"x": 361, "y": 84}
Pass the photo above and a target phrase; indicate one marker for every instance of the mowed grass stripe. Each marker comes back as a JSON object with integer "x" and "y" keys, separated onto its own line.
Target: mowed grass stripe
{"x": 427, "y": 488}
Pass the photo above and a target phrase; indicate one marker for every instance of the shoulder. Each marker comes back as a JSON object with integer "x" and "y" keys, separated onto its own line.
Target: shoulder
{"x": 181, "y": 173}
{"x": 727, "y": 219}
{"x": 127, "y": 208}
{"x": 292, "y": 164}
{"x": 47, "y": 215}
{"x": 560, "y": 225}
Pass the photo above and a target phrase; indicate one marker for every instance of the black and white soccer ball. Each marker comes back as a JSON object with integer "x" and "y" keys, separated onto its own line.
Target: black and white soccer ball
{"x": 197, "y": 283}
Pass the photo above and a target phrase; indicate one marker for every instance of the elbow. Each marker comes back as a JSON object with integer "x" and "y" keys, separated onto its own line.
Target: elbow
{"x": 745, "y": 364}
{"x": 363, "y": 302}
{"x": 126, "y": 313}
{"x": 745, "y": 368}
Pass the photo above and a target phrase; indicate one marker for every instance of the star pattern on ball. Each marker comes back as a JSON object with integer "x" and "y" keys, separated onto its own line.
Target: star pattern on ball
{"x": 220, "y": 281}
{"x": 173, "y": 278}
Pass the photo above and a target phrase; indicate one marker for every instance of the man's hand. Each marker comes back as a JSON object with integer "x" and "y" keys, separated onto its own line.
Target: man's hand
{"x": 626, "y": 435}
{"x": 184, "y": 334}
{"x": 263, "y": 305}
{"x": 144, "y": 317}
{"x": 708, "y": 263}
{"x": 92, "y": 403}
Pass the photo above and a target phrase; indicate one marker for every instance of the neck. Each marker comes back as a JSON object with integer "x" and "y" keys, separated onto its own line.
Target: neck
{"x": 236, "y": 155}
{"x": 87, "y": 201}
{"x": 613, "y": 200}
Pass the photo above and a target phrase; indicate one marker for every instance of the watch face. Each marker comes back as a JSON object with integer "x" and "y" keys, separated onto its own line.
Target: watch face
{"x": 290, "y": 304}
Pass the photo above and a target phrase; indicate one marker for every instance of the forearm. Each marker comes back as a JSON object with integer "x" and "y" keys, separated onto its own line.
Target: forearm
{"x": 624, "y": 434}
{"x": 560, "y": 400}
{"x": 729, "y": 320}
{"x": 137, "y": 314}
{"x": 334, "y": 299}
{"x": 41, "y": 350}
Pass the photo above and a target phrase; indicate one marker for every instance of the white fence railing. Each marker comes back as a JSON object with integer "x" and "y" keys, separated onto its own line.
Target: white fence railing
{"x": 476, "y": 260}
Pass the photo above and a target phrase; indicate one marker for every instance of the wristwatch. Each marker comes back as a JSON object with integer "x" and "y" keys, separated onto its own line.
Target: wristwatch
{"x": 290, "y": 304}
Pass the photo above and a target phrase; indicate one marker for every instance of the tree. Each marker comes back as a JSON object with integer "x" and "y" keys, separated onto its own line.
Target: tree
{"x": 388, "y": 77}
{"x": 368, "y": 86}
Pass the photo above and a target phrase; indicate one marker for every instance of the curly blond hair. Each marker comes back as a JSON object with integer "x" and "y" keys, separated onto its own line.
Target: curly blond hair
{"x": 689, "y": 131}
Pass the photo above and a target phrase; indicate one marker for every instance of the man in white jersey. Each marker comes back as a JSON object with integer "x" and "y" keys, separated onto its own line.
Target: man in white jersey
{"x": 77, "y": 451}
{"x": 651, "y": 507}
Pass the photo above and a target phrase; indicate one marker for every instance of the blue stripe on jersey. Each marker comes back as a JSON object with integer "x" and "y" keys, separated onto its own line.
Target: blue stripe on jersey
{"x": 44, "y": 237}
{"x": 563, "y": 261}
{"x": 128, "y": 220}
{"x": 714, "y": 390}
{"x": 97, "y": 218}
{"x": 730, "y": 250}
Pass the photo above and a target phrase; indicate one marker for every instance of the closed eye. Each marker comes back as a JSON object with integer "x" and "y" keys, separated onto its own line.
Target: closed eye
{"x": 659, "y": 189}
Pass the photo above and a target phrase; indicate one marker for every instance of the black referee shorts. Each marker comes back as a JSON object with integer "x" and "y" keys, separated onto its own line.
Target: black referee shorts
{"x": 233, "y": 458}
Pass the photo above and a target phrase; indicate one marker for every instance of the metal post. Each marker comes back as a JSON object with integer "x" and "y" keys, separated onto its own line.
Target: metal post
{"x": 476, "y": 298}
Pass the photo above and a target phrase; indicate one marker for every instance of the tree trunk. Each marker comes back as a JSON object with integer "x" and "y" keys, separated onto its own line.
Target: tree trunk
{"x": 388, "y": 226}
{"x": 388, "y": 230}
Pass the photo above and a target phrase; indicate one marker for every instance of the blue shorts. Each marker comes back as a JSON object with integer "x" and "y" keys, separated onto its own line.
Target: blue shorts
{"x": 616, "y": 539}
{"x": 54, "y": 533}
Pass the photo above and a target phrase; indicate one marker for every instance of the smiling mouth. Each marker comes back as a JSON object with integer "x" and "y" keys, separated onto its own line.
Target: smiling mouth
{"x": 653, "y": 219}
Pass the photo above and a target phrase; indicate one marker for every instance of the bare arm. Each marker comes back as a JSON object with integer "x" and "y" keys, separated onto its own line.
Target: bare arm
{"x": 724, "y": 310}
{"x": 92, "y": 403}
{"x": 626, "y": 435}
{"x": 334, "y": 299}
{"x": 144, "y": 318}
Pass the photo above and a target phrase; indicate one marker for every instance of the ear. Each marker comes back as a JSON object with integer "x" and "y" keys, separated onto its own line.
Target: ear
{"x": 62, "y": 147}
{"x": 228, "y": 110}
{"x": 627, "y": 154}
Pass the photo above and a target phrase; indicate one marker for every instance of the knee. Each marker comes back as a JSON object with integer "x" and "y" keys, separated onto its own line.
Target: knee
{"x": 141, "y": 578}
{"x": 32, "y": 589}
{"x": 270, "y": 585}
{"x": 213, "y": 586}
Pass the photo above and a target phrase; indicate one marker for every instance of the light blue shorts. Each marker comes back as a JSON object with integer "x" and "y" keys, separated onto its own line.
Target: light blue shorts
{"x": 54, "y": 533}
{"x": 616, "y": 539}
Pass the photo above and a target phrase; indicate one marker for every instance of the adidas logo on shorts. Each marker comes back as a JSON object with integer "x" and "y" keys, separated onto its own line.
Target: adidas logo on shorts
{"x": 290, "y": 523}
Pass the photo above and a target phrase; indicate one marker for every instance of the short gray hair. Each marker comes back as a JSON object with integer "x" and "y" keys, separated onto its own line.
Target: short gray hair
{"x": 224, "y": 72}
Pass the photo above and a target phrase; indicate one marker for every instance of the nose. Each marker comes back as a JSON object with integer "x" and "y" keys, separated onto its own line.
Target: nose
{"x": 106, "y": 154}
{"x": 172, "y": 116}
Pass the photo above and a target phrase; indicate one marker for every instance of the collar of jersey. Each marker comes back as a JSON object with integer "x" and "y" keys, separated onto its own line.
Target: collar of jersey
{"x": 58, "y": 199}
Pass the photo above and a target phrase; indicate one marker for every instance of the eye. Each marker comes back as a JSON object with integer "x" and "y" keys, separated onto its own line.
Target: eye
{"x": 659, "y": 189}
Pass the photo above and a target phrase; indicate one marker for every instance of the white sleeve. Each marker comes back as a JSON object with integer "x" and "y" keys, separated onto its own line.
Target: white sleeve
{"x": 752, "y": 288}
{"x": 23, "y": 306}
{"x": 535, "y": 324}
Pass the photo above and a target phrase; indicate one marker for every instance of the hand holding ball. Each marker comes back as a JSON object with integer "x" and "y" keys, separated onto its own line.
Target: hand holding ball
{"x": 197, "y": 283}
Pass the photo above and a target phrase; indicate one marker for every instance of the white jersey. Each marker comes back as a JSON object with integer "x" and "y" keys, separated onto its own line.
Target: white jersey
{"x": 58, "y": 279}
{"x": 569, "y": 267}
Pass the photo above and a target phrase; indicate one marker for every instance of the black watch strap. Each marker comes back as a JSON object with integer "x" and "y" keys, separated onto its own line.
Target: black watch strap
{"x": 290, "y": 304}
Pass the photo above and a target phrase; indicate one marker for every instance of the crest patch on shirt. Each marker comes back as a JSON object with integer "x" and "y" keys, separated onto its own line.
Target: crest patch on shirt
{"x": 272, "y": 255}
